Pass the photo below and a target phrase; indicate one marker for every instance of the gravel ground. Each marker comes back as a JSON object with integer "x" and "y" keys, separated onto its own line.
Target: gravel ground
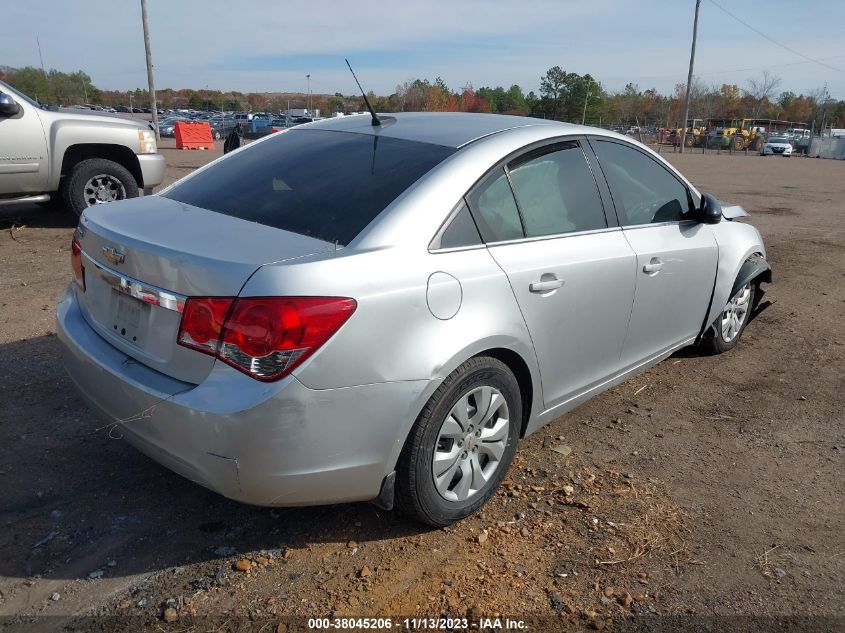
{"x": 705, "y": 492}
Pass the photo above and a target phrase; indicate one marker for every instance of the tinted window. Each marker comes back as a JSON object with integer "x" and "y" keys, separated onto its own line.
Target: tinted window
{"x": 643, "y": 190}
{"x": 496, "y": 212}
{"x": 557, "y": 192}
{"x": 461, "y": 231}
{"x": 328, "y": 185}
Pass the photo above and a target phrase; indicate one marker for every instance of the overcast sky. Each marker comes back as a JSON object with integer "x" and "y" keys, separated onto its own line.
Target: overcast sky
{"x": 253, "y": 45}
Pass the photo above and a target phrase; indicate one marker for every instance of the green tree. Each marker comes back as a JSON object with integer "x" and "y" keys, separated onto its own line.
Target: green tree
{"x": 336, "y": 103}
{"x": 533, "y": 102}
{"x": 555, "y": 88}
{"x": 195, "y": 101}
{"x": 515, "y": 101}
{"x": 34, "y": 83}
{"x": 56, "y": 87}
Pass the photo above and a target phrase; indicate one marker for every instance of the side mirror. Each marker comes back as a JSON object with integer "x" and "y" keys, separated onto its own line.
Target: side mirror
{"x": 8, "y": 106}
{"x": 709, "y": 211}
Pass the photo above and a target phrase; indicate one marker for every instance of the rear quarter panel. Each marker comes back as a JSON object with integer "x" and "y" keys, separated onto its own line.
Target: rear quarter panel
{"x": 393, "y": 334}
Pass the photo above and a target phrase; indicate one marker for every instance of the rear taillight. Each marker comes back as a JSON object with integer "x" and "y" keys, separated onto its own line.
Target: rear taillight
{"x": 264, "y": 337}
{"x": 76, "y": 261}
{"x": 202, "y": 323}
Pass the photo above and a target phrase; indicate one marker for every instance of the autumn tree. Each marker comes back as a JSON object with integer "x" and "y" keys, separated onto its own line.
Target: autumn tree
{"x": 729, "y": 101}
{"x": 759, "y": 90}
{"x": 471, "y": 102}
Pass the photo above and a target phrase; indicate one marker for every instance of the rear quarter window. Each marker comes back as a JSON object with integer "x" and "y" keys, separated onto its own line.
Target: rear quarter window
{"x": 324, "y": 184}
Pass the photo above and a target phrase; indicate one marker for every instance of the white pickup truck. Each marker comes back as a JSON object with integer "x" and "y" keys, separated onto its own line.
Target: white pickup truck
{"x": 85, "y": 157}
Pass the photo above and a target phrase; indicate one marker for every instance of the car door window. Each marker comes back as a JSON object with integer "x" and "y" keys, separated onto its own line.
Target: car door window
{"x": 556, "y": 192}
{"x": 495, "y": 209}
{"x": 643, "y": 191}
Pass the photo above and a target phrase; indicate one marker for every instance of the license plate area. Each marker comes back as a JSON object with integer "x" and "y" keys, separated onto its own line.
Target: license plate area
{"x": 130, "y": 318}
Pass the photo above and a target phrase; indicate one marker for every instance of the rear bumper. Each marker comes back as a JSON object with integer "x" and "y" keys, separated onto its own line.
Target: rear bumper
{"x": 152, "y": 169}
{"x": 264, "y": 444}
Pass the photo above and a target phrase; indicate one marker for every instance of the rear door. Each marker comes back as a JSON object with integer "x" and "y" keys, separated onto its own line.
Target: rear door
{"x": 676, "y": 257}
{"x": 571, "y": 272}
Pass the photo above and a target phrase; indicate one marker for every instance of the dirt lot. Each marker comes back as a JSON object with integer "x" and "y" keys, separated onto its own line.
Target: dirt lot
{"x": 706, "y": 492}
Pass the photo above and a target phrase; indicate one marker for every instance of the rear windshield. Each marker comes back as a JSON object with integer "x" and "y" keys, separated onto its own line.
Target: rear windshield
{"x": 328, "y": 185}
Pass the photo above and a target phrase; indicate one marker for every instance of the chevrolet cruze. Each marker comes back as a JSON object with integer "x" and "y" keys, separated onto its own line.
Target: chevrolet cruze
{"x": 351, "y": 311}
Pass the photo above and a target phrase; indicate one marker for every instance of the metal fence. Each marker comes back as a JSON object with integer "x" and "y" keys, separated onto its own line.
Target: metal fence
{"x": 827, "y": 148}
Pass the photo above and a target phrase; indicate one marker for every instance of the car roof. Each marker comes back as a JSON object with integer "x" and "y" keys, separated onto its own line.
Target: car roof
{"x": 452, "y": 129}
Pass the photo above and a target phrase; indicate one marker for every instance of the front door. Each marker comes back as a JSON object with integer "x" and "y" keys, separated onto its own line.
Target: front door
{"x": 676, "y": 257}
{"x": 676, "y": 269}
{"x": 23, "y": 151}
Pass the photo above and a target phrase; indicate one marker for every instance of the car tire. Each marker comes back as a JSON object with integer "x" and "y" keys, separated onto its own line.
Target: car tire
{"x": 725, "y": 333}
{"x": 443, "y": 430}
{"x": 76, "y": 187}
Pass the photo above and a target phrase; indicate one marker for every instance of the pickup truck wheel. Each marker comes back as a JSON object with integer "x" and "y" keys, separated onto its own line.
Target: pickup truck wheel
{"x": 95, "y": 181}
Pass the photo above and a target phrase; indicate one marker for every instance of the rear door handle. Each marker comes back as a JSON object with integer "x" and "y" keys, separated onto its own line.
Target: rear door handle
{"x": 655, "y": 265}
{"x": 546, "y": 285}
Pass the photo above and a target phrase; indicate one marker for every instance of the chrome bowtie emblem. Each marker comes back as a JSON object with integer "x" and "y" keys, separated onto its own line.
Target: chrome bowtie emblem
{"x": 113, "y": 255}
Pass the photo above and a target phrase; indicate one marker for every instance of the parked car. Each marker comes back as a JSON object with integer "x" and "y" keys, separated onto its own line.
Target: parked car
{"x": 345, "y": 312}
{"x": 84, "y": 157}
{"x": 776, "y": 146}
{"x": 167, "y": 127}
{"x": 220, "y": 129}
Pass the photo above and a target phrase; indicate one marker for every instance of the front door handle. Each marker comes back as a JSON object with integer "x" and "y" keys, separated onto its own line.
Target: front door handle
{"x": 545, "y": 285}
{"x": 654, "y": 266}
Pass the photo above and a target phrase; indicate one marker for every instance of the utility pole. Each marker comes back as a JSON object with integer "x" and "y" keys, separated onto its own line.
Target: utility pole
{"x": 689, "y": 77}
{"x": 586, "y": 98}
{"x": 153, "y": 104}
{"x": 308, "y": 77}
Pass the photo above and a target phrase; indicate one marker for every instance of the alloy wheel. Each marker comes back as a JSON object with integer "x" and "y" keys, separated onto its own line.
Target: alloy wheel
{"x": 103, "y": 188}
{"x": 733, "y": 317}
{"x": 471, "y": 443}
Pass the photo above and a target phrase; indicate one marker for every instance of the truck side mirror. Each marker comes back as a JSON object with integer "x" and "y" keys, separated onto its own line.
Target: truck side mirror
{"x": 8, "y": 106}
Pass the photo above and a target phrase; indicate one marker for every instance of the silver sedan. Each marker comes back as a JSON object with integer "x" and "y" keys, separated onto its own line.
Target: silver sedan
{"x": 346, "y": 311}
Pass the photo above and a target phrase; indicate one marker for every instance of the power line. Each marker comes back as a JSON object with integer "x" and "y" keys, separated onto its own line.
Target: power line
{"x": 774, "y": 41}
{"x": 723, "y": 71}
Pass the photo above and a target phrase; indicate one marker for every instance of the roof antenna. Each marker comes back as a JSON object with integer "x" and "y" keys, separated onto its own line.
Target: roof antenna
{"x": 369, "y": 107}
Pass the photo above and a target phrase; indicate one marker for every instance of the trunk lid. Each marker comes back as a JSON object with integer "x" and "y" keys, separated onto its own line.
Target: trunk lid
{"x": 143, "y": 257}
